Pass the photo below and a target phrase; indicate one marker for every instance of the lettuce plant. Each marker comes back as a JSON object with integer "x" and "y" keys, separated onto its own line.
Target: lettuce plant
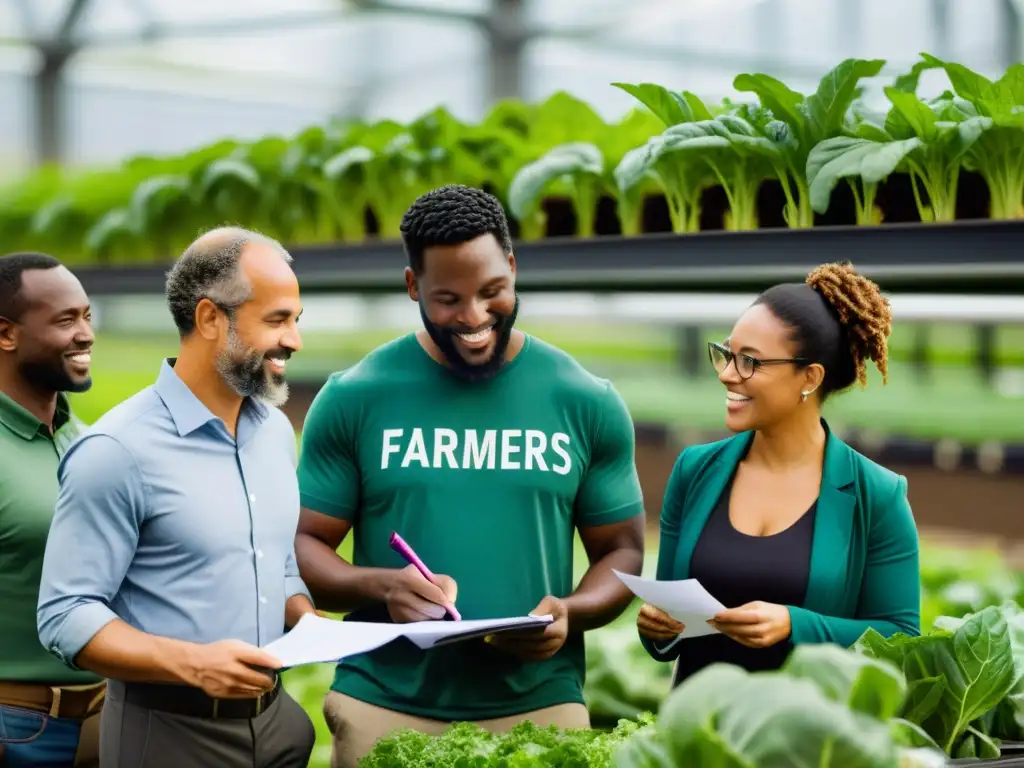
{"x": 827, "y": 708}
{"x": 998, "y": 154}
{"x": 954, "y": 677}
{"x": 578, "y": 166}
{"x": 810, "y": 120}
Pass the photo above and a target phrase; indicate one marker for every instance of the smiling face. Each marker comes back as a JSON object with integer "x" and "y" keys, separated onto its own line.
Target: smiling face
{"x": 763, "y": 387}
{"x": 53, "y": 337}
{"x": 468, "y": 303}
{"x": 262, "y": 334}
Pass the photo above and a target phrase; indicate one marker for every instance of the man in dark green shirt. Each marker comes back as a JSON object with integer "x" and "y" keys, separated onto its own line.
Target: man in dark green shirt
{"x": 487, "y": 450}
{"x": 50, "y": 712}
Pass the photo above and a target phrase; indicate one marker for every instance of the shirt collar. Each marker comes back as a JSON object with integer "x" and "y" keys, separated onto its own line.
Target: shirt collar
{"x": 26, "y": 426}
{"x": 188, "y": 411}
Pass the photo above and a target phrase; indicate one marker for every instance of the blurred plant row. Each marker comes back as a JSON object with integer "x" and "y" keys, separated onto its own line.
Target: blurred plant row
{"x": 347, "y": 182}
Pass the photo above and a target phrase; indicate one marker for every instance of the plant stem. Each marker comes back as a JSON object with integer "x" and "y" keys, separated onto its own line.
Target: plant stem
{"x": 630, "y": 216}
{"x": 585, "y": 204}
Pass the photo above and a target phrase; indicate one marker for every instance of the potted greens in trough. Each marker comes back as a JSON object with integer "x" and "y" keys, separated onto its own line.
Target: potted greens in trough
{"x": 676, "y": 163}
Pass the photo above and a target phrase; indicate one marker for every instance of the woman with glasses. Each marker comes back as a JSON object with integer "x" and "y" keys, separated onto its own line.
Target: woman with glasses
{"x": 803, "y": 539}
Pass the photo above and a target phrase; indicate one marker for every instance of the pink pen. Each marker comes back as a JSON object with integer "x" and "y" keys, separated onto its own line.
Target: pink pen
{"x": 398, "y": 544}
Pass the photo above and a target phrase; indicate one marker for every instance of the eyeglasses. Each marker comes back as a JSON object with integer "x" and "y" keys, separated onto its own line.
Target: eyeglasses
{"x": 746, "y": 365}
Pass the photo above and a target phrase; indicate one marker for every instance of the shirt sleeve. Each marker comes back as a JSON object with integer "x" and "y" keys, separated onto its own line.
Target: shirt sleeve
{"x": 93, "y": 537}
{"x": 293, "y": 583}
{"x": 671, "y": 517}
{"x": 329, "y": 480}
{"x": 610, "y": 490}
{"x": 890, "y": 598}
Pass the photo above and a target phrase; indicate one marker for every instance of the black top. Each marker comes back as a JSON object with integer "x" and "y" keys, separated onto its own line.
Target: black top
{"x": 736, "y": 569}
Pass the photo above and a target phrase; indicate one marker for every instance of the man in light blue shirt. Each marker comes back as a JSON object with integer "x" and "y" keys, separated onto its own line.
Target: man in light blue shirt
{"x": 170, "y": 559}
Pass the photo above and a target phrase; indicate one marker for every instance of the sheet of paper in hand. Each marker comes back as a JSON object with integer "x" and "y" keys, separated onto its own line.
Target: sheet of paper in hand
{"x": 427, "y": 634}
{"x": 685, "y": 601}
{"x": 317, "y": 640}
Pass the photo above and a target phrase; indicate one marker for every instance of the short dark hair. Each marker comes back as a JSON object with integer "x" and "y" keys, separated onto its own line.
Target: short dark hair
{"x": 209, "y": 269}
{"x": 451, "y": 215}
{"x": 12, "y": 267}
{"x": 839, "y": 319}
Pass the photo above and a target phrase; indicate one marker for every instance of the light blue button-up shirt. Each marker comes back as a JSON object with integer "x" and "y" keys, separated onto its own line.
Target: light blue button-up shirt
{"x": 166, "y": 521}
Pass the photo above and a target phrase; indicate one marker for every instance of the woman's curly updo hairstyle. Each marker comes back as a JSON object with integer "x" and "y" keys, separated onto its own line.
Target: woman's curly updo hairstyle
{"x": 839, "y": 319}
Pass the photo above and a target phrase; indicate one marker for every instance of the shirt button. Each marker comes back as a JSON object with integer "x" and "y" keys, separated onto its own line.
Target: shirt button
{"x": 252, "y": 497}
{"x": 259, "y": 553}
{"x": 263, "y": 599}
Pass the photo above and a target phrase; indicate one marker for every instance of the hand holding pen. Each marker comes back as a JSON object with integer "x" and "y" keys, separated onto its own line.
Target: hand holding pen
{"x": 416, "y": 594}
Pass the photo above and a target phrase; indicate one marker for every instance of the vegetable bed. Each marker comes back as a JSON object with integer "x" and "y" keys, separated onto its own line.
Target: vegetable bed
{"x": 676, "y": 163}
{"x": 952, "y": 696}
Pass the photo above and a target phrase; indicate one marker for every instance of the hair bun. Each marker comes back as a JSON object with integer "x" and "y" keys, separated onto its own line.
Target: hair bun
{"x": 864, "y": 313}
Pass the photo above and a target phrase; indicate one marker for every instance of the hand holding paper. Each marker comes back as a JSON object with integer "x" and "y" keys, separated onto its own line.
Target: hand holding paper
{"x": 540, "y": 643}
{"x": 686, "y": 601}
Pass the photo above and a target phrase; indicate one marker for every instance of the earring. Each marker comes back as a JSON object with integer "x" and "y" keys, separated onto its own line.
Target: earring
{"x": 803, "y": 395}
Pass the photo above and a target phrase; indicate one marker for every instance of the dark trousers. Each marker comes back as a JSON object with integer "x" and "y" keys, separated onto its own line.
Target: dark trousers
{"x": 133, "y": 736}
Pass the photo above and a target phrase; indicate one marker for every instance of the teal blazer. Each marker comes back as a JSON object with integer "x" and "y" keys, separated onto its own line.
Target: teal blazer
{"x": 865, "y": 568}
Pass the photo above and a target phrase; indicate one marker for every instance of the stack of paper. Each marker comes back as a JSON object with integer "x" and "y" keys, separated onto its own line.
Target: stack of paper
{"x": 316, "y": 640}
{"x": 685, "y": 601}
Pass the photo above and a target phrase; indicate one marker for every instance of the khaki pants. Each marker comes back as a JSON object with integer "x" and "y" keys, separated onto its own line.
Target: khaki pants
{"x": 356, "y": 726}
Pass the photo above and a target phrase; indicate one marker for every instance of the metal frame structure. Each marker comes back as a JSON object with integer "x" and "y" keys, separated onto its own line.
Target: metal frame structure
{"x": 505, "y": 25}
{"x": 970, "y": 256}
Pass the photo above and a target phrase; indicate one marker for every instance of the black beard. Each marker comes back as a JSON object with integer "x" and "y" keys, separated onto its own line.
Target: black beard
{"x": 444, "y": 338}
{"x": 52, "y": 377}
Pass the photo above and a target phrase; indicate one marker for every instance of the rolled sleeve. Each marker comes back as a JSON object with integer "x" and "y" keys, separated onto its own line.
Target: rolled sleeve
{"x": 92, "y": 541}
{"x": 293, "y": 583}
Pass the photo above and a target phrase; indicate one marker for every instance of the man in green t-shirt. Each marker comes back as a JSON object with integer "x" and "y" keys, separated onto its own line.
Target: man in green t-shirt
{"x": 486, "y": 449}
{"x": 49, "y": 714}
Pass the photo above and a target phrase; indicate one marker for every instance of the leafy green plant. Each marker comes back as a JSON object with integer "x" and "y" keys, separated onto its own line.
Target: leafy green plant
{"x": 576, "y": 152}
{"x": 698, "y": 150}
{"x": 346, "y": 181}
{"x": 623, "y": 681}
{"x": 810, "y": 120}
{"x": 465, "y": 745}
{"x": 819, "y": 711}
{"x": 953, "y": 677}
{"x": 1004, "y": 722}
{"x": 998, "y": 154}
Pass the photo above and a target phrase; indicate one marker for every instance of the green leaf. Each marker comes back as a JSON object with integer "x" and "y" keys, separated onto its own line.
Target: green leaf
{"x": 910, "y": 734}
{"x": 725, "y": 716}
{"x": 114, "y": 237}
{"x": 1000, "y": 99}
{"x": 1007, "y": 719}
{"x": 828, "y": 105}
{"x": 577, "y": 159}
{"x": 916, "y": 115}
{"x": 923, "y": 697}
{"x": 909, "y": 81}
{"x": 845, "y": 157}
{"x": 565, "y": 119}
{"x": 977, "y": 664}
{"x": 866, "y": 685}
{"x": 785, "y": 104}
{"x": 671, "y": 107}
{"x": 642, "y": 750}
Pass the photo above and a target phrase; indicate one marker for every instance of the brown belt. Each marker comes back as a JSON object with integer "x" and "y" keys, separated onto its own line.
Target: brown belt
{"x": 75, "y": 702}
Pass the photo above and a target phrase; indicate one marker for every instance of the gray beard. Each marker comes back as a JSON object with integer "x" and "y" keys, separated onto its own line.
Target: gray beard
{"x": 244, "y": 371}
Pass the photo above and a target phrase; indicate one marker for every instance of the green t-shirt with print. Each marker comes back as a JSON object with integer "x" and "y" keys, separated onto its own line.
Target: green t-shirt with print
{"x": 486, "y": 481}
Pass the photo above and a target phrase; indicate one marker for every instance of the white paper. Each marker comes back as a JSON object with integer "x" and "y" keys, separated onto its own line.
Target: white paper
{"x": 685, "y": 601}
{"x": 316, "y": 640}
{"x": 427, "y": 634}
